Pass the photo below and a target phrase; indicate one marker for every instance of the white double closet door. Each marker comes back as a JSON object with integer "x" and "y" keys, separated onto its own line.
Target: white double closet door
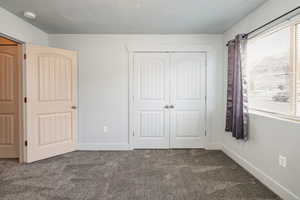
{"x": 169, "y": 94}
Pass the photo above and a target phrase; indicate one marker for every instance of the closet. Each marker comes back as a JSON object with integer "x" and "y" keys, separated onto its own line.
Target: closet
{"x": 169, "y": 99}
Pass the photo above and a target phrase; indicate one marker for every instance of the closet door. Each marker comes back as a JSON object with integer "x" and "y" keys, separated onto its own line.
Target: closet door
{"x": 151, "y": 95}
{"x": 188, "y": 109}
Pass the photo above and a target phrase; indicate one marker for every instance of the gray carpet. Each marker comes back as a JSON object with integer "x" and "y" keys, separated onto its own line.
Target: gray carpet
{"x": 131, "y": 175}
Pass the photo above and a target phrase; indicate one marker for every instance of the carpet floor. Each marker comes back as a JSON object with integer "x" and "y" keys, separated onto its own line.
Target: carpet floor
{"x": 131, "y": 175}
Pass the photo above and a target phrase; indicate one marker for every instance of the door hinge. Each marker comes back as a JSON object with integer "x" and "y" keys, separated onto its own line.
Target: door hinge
{"x": 26, "y": 143}
{"x": 205, "y": 132}
{"x": 25, "y": 99}
{"x": 25, "y": 56}
{"x": 133, "y": 132}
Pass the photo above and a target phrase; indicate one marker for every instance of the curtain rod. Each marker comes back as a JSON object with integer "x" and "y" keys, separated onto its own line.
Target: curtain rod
{"x": 272, "y": 21}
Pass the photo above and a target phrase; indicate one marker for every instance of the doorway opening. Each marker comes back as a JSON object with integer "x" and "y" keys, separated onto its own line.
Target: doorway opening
{"x": 38, "y": 102}
{"x": 11, "y": 98}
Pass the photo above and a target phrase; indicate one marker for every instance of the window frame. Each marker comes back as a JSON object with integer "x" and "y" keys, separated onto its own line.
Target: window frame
{"x": 294, "y": 48}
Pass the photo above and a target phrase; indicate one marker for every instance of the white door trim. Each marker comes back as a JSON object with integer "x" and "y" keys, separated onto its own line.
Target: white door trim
{"x": 197, "y": 48}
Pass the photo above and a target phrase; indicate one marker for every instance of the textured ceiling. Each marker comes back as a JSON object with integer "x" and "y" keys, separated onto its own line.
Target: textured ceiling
{"x": 133, "y": 16}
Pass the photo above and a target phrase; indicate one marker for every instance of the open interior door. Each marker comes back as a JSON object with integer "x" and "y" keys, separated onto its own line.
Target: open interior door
{"x": 51, "y": 89}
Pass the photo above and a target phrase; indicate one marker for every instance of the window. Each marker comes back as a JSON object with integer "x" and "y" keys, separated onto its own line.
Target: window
{"x": 273, "y": 63}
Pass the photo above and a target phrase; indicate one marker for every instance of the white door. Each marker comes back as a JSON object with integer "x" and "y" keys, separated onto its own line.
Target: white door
{"x": 188, "y": 107}
{"x": 51, "y": 115}
{"x": 151, "y": 85}
{"x": 169, "y": 100}
{"x": 10, "y": 65}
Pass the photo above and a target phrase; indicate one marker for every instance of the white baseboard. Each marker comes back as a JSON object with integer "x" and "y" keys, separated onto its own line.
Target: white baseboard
{"x": 276, "y": 187}
{"x": 124, "y": 146}
{"x": 214, "y": 146}
{"x": 103, "y": 147}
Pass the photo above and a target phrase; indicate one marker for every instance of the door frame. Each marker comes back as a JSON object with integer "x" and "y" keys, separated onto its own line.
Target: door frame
{"x": 196, "y": 48}
{"x": 21, "y": 106}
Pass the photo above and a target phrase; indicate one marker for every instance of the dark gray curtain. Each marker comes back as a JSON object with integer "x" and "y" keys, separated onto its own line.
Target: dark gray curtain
{"x": 237, "y": 100}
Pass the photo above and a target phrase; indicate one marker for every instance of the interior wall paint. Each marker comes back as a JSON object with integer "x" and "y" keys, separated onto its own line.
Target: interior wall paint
{"x": 17, "y": 28}
{"x": 103, "y": 84}
{"x": 269, "y": 137}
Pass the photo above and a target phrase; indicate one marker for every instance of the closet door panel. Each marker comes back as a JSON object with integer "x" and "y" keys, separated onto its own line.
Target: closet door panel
{"x": 151, "y": 94}
{"x": 188, "y": 90}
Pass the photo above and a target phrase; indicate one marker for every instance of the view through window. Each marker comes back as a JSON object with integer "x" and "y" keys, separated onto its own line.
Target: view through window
{"x": 273, "y": 77}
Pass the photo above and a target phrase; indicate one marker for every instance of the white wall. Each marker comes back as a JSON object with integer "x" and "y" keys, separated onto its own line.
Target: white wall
{"x": 17, "y": 28}
{"x": 269, "y": 137}
{"x": 103, "y": 84}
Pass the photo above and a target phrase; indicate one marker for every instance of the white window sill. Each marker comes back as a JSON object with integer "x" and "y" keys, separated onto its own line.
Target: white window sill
{"x": 274, "y": 116}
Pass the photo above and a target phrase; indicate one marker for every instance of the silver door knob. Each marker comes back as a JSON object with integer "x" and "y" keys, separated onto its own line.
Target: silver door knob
{"x": 171, "y": 106}
{"x": 166, "y": 107}
{"x": 74, "y": 107}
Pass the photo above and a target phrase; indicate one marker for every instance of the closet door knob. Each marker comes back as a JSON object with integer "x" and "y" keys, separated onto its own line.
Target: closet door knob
{"x": 171, "y": 106}
{"x": 166, "y": 107}
{"x": 74, "y": 107}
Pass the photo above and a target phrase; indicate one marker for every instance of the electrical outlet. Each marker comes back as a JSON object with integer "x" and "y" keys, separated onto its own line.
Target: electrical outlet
{"x": 279, "y": 161}
{"x": 282, "y": 161}
{"x": 105, "y": 129}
